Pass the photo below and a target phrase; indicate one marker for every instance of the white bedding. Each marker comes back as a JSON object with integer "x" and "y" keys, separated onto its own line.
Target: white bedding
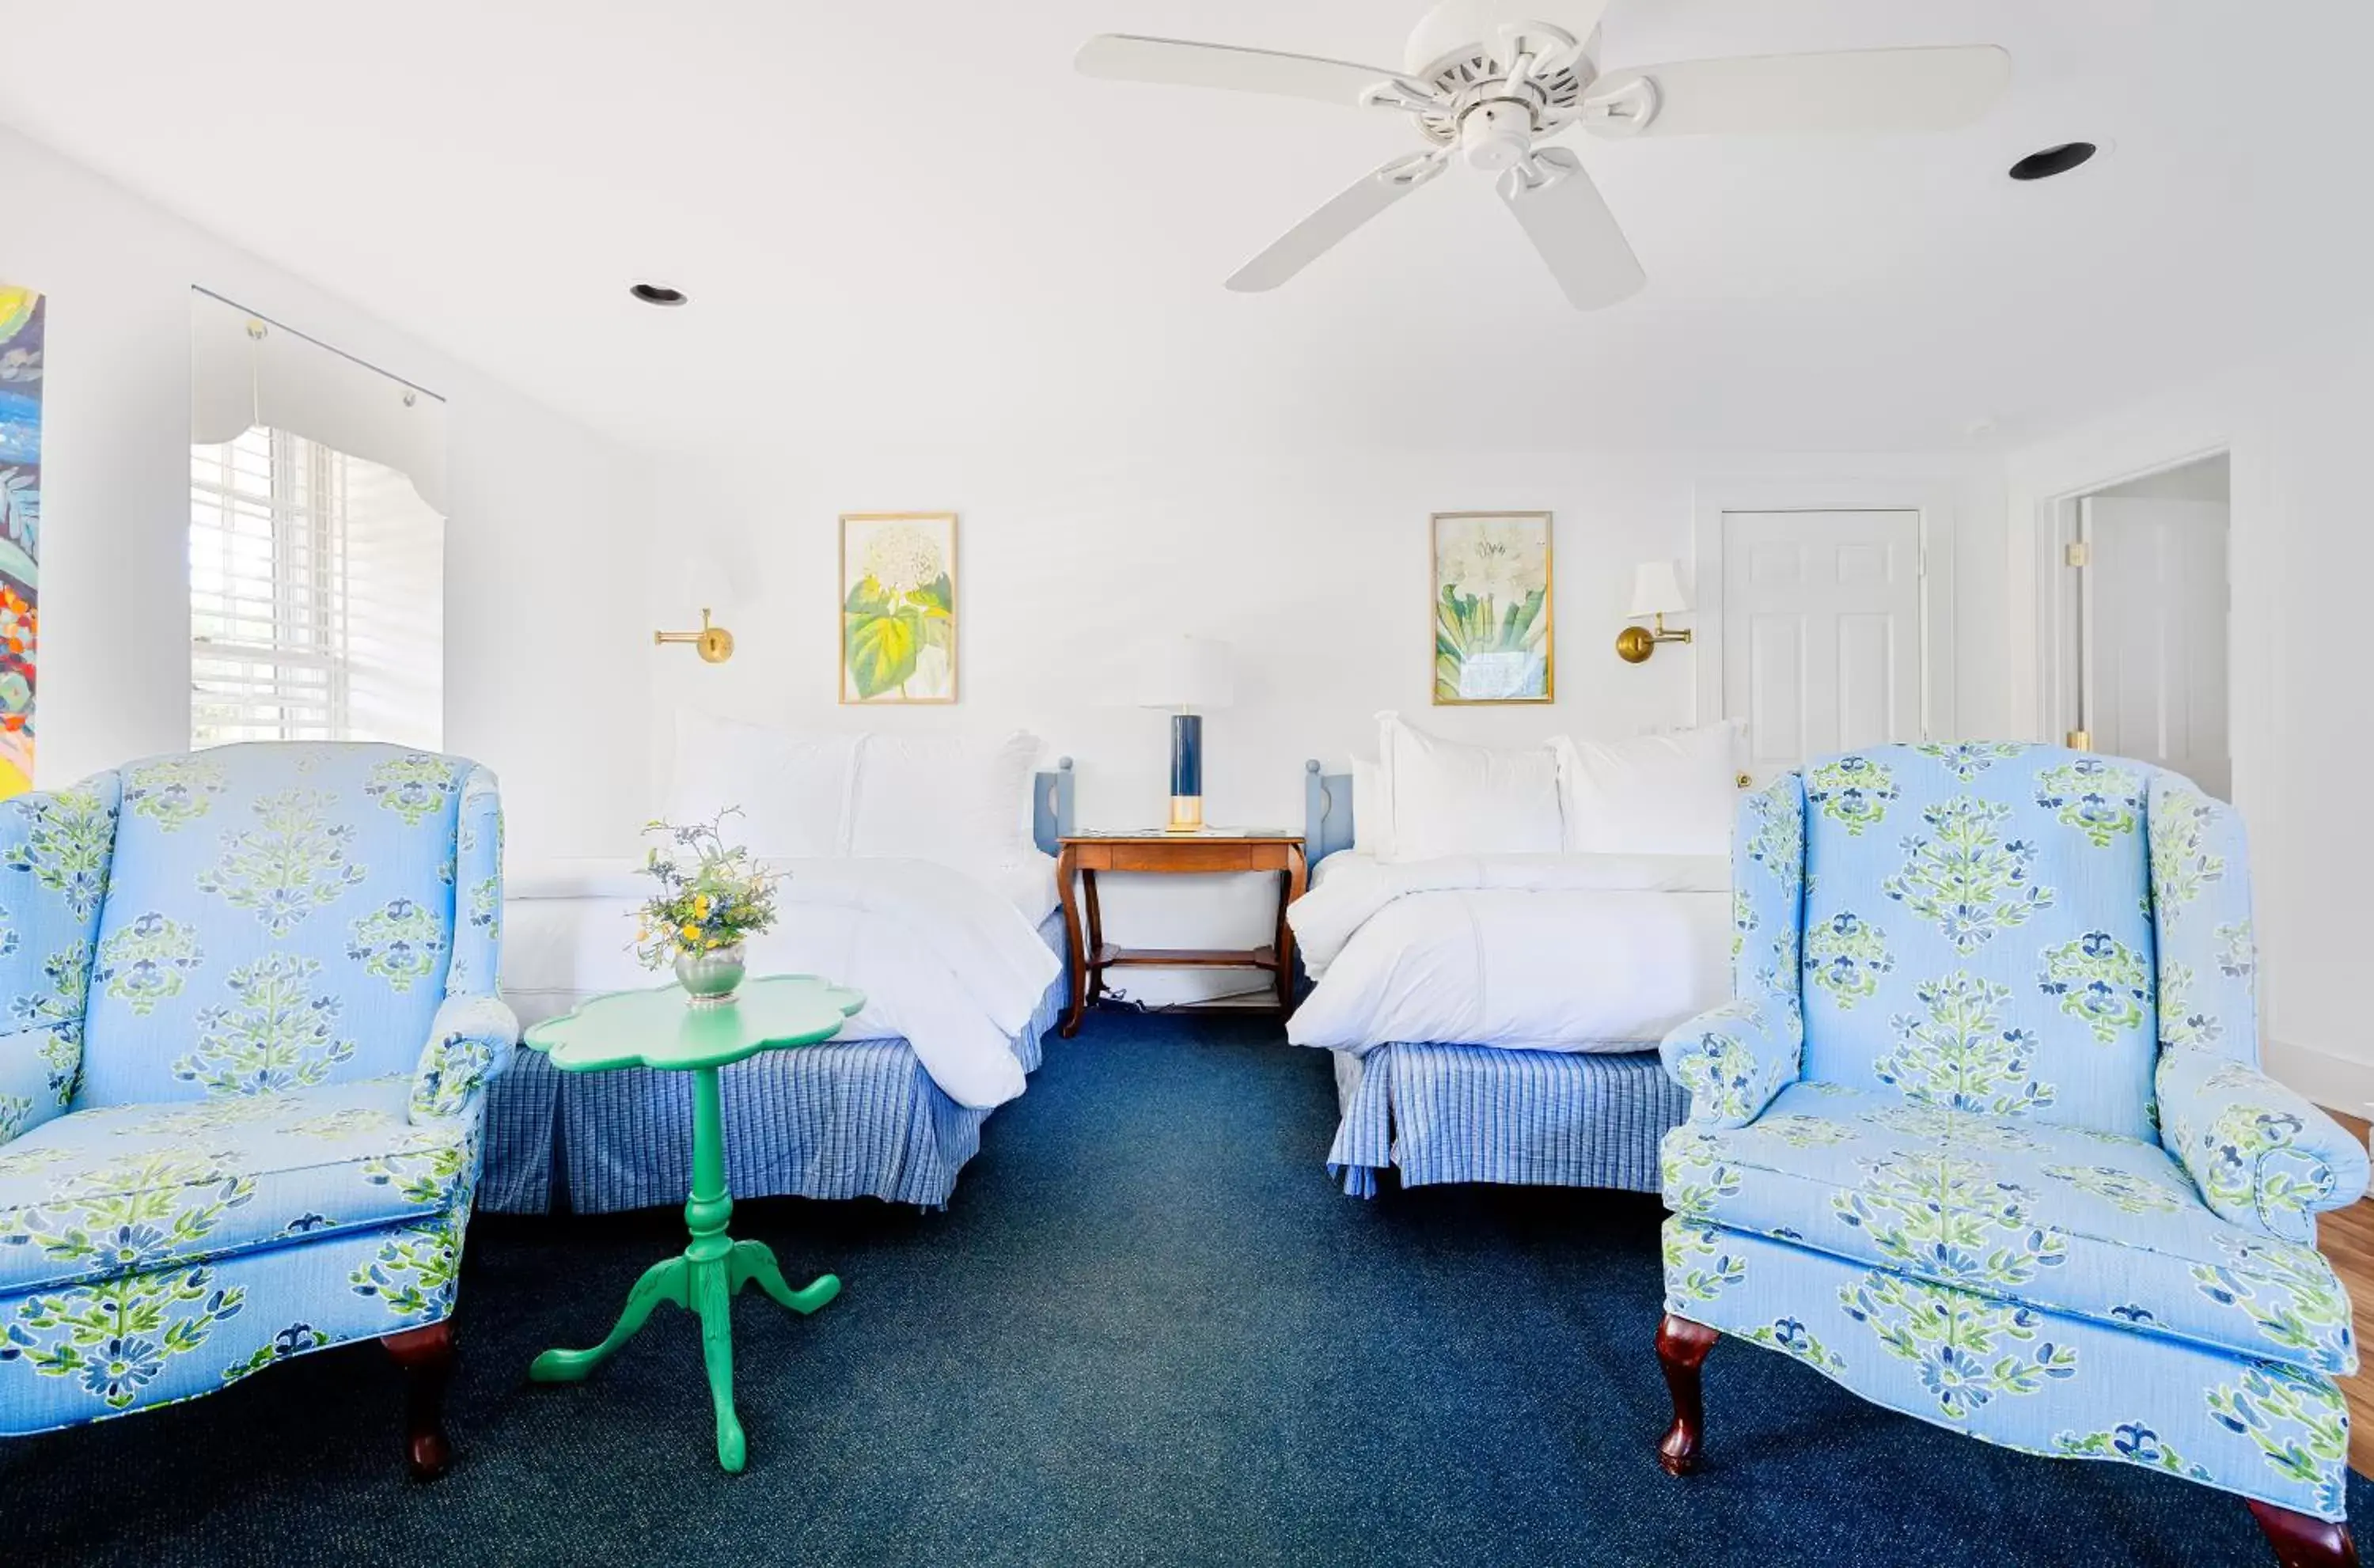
{"x": 946, "y": 959}
{"x": 1555, "y": 953}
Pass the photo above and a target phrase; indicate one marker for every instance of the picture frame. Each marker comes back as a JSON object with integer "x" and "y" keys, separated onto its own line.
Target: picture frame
{"x": 1494, "y": 601}
{"x": 898, "y": 608}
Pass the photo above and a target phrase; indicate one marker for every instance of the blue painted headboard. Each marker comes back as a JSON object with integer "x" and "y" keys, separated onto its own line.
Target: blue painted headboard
{"x": 1051, "y": 806}
{"x": 1326, "y": 812}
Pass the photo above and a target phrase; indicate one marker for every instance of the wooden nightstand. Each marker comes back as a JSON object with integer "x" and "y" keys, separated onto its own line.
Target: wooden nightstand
{"x": 1173, "y": 854}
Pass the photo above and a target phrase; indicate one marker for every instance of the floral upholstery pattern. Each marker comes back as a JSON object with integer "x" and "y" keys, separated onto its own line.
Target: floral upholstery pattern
{"x": 253, "y": 996}
{"x": 1992, "y": 1147}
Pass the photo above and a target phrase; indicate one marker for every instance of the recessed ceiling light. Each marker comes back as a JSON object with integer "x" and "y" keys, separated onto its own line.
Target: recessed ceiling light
{"x": 658, "y": 293}
{"x": 2052, "y": 161}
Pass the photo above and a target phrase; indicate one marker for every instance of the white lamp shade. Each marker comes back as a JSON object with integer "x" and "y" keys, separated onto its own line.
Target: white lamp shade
{"x": 1185, "y": 672}
{"x": 1657, "y": 591}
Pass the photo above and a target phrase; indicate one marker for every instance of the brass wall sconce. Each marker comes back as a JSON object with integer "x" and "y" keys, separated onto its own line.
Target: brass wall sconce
{"x": 714, "y": 643}
{"x": 1656, "y": 592}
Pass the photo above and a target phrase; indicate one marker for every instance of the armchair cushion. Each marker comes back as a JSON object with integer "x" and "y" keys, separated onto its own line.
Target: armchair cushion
{"x": 2263, "y": 1157}
{"x": 1733, "y": 1059}
{"x": 2086, "y": 1225}
{"x": 133, "y": 1189}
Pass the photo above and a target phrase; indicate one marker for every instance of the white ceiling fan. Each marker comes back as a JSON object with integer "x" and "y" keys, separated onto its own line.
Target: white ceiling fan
{"x": 1485, "y": 80}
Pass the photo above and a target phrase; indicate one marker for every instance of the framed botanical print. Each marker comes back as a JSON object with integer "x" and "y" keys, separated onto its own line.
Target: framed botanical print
{"x": 898, "y": 607}
{"x": 1492, "y": 633}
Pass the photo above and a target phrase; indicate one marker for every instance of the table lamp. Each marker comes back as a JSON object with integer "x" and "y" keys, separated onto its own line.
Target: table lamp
{"x": 1185, "y": 674}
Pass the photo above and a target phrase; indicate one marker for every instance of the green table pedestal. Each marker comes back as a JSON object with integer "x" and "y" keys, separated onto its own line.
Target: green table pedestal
{"x": 704, "y": 1278}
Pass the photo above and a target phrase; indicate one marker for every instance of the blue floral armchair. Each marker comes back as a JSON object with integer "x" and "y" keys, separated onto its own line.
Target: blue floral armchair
{"x": 253, "y": 1000}
{"x": 1982, "y": 1135}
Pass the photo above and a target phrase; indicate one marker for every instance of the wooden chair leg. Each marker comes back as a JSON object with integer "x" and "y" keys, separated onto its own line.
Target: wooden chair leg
{"x": 1682, "y": 1348}
{"x": 427, "y": 1357}
{"x": 2301, "y": 1541}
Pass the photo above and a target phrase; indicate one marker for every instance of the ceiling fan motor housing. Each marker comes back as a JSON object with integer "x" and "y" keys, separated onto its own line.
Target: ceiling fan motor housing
{"x": 1496, "y": 134}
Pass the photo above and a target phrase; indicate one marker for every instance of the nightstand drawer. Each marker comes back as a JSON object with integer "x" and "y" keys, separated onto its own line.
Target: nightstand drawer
{"x": 1185, "y": 855}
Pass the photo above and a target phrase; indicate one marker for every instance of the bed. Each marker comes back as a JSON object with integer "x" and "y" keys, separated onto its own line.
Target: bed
{"x": 1493, "y": 1016}
{"x": 964, "y": 971}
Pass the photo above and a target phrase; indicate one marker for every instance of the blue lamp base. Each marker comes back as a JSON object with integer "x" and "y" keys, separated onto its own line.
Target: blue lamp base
{"x": 1186, "y": 773}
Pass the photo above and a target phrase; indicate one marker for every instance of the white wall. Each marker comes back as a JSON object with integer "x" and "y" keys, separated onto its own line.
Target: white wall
{"x": 543, "y": 624}
{"x": 2303, "y": 555}
{"x": 1314, "y": 567}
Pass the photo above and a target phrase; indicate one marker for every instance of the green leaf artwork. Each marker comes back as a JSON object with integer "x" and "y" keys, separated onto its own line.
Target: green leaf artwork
{"x": 898, "y": 610}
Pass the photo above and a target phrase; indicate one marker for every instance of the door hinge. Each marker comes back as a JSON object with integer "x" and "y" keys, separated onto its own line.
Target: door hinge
{"x": 2077, "y": 552}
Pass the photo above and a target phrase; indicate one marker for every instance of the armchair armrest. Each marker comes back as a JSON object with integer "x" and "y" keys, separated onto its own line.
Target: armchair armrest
{"x": 470, "y": 1043}
{"x": 1734, "y": 1059}
{"x": 2263, "y": 1156}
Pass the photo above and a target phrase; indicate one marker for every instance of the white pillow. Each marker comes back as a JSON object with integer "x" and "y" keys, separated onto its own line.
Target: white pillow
{"x": 961, "y": 803}
{"x": 1372, "y": 811}
{"x": 1454, "y": 800}
{"x": 1672, "y": 794}
{"x": 793, "y": 789}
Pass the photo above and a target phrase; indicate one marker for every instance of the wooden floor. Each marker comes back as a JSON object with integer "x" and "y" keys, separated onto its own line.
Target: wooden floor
{"x": 2347, "y": 1237}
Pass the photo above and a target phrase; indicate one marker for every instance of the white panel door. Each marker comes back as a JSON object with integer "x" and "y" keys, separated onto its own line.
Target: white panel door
{"x": 2152, "y": 659}
{"x": 1821, "y": 632}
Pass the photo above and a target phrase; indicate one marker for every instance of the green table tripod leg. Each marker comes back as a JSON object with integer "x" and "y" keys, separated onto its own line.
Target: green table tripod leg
{"x": 704, "y": 1281}
{"x": 668, "y": 1281}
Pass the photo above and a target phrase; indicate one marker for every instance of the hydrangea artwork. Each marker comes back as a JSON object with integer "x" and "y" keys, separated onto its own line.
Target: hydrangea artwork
{"x": 1492, "y": 639}
{"x": 21, "y": 332}
{"x": 898, "y": 607}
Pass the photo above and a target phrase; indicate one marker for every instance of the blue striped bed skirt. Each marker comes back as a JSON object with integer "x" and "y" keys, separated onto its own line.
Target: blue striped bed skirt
{"x": 1476, "y": 1113}
{"x": 849, "y": 1118}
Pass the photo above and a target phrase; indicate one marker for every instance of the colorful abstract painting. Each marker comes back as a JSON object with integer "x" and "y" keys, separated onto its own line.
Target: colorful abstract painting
{"x": 22, "y": 324}
{"x": 1492, "y": 639}
{"x": 898, "y": 607}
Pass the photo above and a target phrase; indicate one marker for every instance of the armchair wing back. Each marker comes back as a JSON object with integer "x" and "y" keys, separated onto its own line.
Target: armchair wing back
{"x": 52, "y": 878}
{"x": 252, "y": 995}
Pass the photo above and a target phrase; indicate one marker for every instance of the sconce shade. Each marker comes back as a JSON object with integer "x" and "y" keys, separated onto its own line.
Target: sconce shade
{"x": 1188, "y": 673}
{"x": 1657, "y": 591}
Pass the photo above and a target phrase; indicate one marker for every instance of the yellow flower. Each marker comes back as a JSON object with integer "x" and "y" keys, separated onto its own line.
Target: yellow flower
{"x": 700, "y": 905}
{"x": 691, "y": 933}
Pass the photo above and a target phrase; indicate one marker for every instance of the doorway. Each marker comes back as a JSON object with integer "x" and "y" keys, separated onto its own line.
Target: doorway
{"x": 2146, "y": 596}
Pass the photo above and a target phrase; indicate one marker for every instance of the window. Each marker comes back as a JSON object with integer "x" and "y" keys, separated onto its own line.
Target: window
{"x": 269, "y": 654}
{"x": 317, "y": 544}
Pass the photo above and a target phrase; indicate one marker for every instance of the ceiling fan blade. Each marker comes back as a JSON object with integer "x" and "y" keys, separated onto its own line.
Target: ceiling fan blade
{"x": 1864, "y": 89}
{"x": 1126, "y": 57}
{"x": 1331, "y": 224}
{"x": 1570, "y": 225}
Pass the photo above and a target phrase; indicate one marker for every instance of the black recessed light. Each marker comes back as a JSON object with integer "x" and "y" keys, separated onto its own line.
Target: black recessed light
{"x": 2052, "y": 161}
{"x": 660, "y": 294}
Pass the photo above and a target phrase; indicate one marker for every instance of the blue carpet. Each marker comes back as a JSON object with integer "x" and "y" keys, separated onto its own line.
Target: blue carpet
{"x": 1149, "y": 1330}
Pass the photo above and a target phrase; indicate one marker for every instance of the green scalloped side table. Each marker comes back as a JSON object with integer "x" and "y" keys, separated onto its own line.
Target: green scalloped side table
{"x": 656, "y": 1029}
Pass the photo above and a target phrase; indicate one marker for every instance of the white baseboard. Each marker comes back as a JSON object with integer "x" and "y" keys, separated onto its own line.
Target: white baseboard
{"x": 2331, "y": 1080}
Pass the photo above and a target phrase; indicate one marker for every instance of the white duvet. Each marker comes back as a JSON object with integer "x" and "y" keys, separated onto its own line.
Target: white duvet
{"x": 1554, "y": 953}
{"x": 945, "y": 958}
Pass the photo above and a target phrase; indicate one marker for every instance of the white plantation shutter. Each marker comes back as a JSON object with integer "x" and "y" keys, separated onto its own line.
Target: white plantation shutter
{"x": 316, "y": 597}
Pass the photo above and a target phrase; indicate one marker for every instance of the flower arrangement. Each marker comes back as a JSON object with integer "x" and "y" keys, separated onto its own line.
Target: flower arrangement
{"x": 707, "y": 906}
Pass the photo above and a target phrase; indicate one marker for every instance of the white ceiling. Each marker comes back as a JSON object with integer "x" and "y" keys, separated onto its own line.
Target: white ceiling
{"x": 914, "y": 223}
